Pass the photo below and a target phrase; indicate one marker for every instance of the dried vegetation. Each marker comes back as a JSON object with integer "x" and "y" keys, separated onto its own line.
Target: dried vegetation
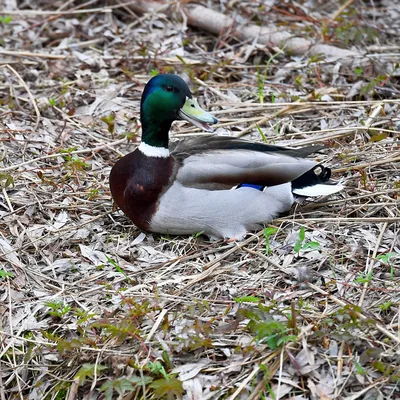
{"x": 91, "y": 308}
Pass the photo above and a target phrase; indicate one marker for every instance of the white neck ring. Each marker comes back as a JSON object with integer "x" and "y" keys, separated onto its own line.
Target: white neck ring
{"x": 152, "y": 151}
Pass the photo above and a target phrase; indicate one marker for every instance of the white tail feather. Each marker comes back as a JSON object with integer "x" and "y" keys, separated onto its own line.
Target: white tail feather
{"x": 318, "y": 190}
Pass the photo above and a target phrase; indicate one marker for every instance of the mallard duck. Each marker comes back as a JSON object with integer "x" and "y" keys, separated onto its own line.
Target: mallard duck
{"x": 220, "y": 186}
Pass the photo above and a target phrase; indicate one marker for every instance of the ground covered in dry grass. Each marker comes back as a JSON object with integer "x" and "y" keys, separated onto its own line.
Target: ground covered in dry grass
{"x": 92, "y": 308}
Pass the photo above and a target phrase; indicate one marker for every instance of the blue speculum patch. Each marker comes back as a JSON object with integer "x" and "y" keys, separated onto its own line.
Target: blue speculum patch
{"x": 257, "y": 187}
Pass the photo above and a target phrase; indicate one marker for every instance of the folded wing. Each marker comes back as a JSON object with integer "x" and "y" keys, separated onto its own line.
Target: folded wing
{"x": 227, "y": 162}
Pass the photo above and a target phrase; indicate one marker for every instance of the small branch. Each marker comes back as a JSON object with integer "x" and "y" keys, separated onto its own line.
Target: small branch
{"x": 23, "y": 83}
{"x": 30, "y": 54}
{"x": 367, "y": 164}
{"x": 29, "y": 13}
{"x": 55, "y": 155}
{"x": 341, "y": 9}
{"x": 371, "y": 263}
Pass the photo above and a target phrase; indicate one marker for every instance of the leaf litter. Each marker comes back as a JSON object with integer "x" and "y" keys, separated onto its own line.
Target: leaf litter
{"x": 94, "y": 308}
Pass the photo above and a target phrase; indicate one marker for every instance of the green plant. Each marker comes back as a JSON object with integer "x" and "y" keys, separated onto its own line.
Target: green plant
{"x": 344, "y": 324}
{"x": 385, "y": 259}
{"x": 348, "y": 31}
{"x": 370, "y": 86}
{"x": 83, "y": 315}
{"x": 269, "y": 231}
{"x": 168, "y": 386}
{"x": 75, "y": 163}
{"x": 386, "y": 370}
{"x": 6, "y": 180}
{"x": 119, "y": 330}
{"x": 198, "y": 234}
{"x": 130, "y": 135}
{"x": 261, "y": 323}
{"x": 272, "y": 332}
{"x": 358, "y": 71}
{"x": 93, "y": 193}
{"x": 261, "y": 77}
{"x": 364, "y": 278}
{"x": 298, "y": 81}
{"x": 267, "y": 378}
{"x": 247, "y": 299}
{"x": 58, "y": 308}
{"x": 5, "y": 19}
{"x": 52, "y": 101}
{"x": 117, "y": 267}
{"x": 88, "y": 371}
{"x": 264, "y": 138}
{"x": 110, "y": 121}
{"x": 123, "y": 385}
{"x": 315, "y": 58}
{"x": 300, "y": 245}
{"x": 385, "y": 306}
{"x": 5, "y": 274}
{"x": 359, "y": 369}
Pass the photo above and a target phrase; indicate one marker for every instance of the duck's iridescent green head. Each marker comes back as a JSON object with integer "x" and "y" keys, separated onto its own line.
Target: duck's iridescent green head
{"x": 166, "y": 98}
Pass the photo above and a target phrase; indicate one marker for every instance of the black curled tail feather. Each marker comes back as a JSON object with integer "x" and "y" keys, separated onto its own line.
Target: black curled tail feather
{"x": 316, "y": 175}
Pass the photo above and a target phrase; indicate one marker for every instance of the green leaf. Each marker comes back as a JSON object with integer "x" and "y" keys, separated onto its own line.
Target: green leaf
{"x": 182, "y": 60}
{"x": 196, "y": 235}
{"x": 167, "y": 388}
{"x": 87, "y": 370}
{"x": 8, "y": 180}
{"x": 157, "y": 368}
{"x": 247, "y": 299}
{"x": 121, "y": 330}
{"x": 378, "y": 137}
{"x": 358, "y": 71}
{"x": 359, "y": 369}
{"x": 286, "y": 339}
{"x": 264, "y": 138}
{"x": 120, "y": 385}
{"x": 302, "y": 234}
{"x": 273, "y": 332}
{"x": 110, "y": 121}
{"x": 5, "y": 274}
{"x": 69, "y": 150}
{"x": 311, "y": 245}
{"x": 316, "y": 58}
{"x": 297, "y": 246}
{"x": 267, "y": 233}
{"x": 385, "y": 306}
{"x": 5, "y": 19}
{"x": 386, "y": 257}
{"x": 117, "y": 267}
{"x": 364, "y": 278}
{"x": 140, "y": 380}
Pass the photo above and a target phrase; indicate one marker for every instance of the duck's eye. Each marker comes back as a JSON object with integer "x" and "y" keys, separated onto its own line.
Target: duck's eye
{"x": 169, "y": 88}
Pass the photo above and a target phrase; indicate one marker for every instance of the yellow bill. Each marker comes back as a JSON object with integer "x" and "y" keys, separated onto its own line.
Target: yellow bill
{"x": 193, "y": 113}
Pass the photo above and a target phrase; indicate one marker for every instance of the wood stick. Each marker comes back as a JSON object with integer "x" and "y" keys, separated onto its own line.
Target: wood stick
{"x": 215, "y": 22}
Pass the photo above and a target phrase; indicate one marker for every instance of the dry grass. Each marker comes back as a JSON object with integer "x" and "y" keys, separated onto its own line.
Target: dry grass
{"x": 87, "y": 300}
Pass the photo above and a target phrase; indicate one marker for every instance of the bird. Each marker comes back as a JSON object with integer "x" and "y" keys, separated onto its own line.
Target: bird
{"x": 219, "y": 186}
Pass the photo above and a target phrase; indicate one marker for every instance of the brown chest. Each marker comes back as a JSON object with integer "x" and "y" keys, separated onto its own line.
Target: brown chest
{"x": 136, "y": 183}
